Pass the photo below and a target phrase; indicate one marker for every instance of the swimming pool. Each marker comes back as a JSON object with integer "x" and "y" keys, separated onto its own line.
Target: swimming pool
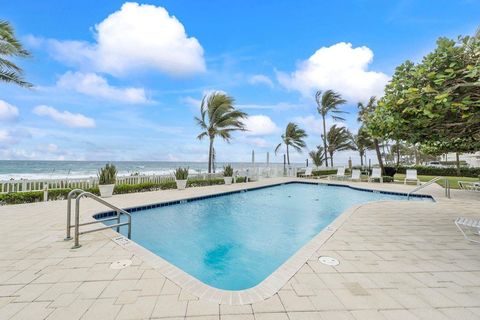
{"x": 235, "y": 241}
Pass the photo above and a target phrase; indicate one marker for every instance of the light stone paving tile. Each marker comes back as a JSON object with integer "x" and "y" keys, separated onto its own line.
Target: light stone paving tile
{"x": 272, "y": 304}
{"x": 58, "y": 289}
{"x": 399, "y": 315}
{"x": 325, "y": 299}
{"x": 336, "y": 315}
{"x": 150, "y": 287}
{"x": 169, "y": 306}
{"x": 33, "y": 311}
{"x": 226, "y": 309}
{"x": 116, "y": 287}
{"x": 91, "y": 290}
{"x": 64, "y": 300}
{"x": 31, "y": 292}
{"x": 127, "y": 297}
{"x": 104, "y": 309}
{"x": 368, "y": 315}
{"x": 292, "y": 302}
{"x": 7, "y": 311}
{"x": 429, "y": 314}
{"x": 170, "y": 288}
{"x": 73, "y": 312}
{"x": 9, "y": 290}
{"x": 201, "y": 308}
{"x": 459, "y": 313}
{"x": 141, "y": 309}
{"x": 271, "y": 316}
{"x": 304, "y": 315}
{"x": 237, "y": 317}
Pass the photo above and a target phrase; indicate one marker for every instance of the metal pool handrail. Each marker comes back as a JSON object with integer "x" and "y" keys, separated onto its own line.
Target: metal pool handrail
{"x": 447, "y": 186}
{"x": 77, "y": 224}
{"x": 71, "y": 194}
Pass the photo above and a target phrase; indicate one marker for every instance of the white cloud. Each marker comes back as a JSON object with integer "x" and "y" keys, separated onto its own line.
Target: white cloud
{"x": 261, "y": 79}
{"x": 260, "y": 125}
{"x": 7, "y": 111}
{"x": 74, "y": 120}
{"x": 137, "y": 37}
{"x": 276, "y": 106}
{"x": 191, "y": 102}
{"x": 257, "y": 142}
{"x": 314, "y": 124}
{"x": 338, "y": 67}
{"x": 94, "y": 85}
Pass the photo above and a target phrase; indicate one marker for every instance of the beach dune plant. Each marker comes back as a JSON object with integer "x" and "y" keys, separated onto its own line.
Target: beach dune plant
{"x": 218, "y": 118}
{"x": 293, "y": 137}
{"x": 107, "y": 176}
{"x": 181, "y": 177}
{"x": 10, "y": 47}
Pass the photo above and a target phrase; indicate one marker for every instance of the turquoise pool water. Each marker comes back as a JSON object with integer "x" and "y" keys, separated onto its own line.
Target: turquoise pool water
{"x": 235, "y": 241}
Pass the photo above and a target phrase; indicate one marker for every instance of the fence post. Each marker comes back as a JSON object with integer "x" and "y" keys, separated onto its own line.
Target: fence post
{"x": 45, "y": 192}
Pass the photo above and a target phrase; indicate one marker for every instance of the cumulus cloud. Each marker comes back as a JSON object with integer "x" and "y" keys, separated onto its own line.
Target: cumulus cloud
{"x": 7, "y": 111}
{"x": 137, "y": 37}
{"x": 339, "y": 67}
{"x": 96, "y": 86}
{"x": 260, "y": 125}
{"x": 261, "y": 79}
{"x": 74, "y": 120}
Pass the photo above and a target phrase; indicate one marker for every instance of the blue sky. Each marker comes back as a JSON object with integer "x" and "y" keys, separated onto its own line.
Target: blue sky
{"x": 122, "y": 81}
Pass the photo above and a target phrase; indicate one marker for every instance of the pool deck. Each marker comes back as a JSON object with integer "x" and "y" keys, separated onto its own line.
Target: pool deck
{"x": 398, "y": 260}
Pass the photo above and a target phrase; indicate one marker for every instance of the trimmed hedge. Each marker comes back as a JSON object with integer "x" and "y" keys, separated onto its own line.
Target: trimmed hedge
{"x": 61, "y": 194}
{"x": 450, "y": 171}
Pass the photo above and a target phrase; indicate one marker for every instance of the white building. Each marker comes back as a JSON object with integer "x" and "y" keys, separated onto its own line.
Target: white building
{"x": 472, "y": 159}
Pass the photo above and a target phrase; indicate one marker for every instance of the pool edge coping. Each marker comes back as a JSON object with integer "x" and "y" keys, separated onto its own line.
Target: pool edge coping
{"x": 271, "y": 284}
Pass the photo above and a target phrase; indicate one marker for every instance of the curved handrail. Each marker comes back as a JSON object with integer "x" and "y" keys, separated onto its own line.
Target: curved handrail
{"x": 71, "y": 194}
{"x": 111, "y": 206}
{"x": 432, "y": 181}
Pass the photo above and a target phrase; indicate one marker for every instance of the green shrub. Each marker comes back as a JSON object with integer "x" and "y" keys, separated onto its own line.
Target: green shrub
{"x": 450, "y": 171}
{"x": 387, "y": 179}
{"x": 181, "y": 173}
{"x": 227, "y": 171}
{"x": 240, "y": 179}
{"x": 21, "y": 197}
{"x": 202, "y": 183}
{"x": 107, "y": 174}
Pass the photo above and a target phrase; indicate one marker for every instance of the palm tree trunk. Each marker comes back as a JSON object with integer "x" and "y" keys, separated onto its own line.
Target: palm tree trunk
{"x": 210, "y": 156}
{"x": 361, "y": 157}
{"x": 457, "y": 158}
{"x": 379, "y": 154}
{"x": 288, "y": 156}
{"x": 331, "y": 159}
{"x": 398, "y": 153}
{"x": 325, "y": 140}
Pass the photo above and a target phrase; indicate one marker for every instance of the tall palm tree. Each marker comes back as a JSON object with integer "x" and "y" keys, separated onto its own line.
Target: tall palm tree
{"x": 293, "y": 137}
{"x": 219, "y": 118}
{"x": 361, "y": 142}
{"x": 10, "y": 47}
{"x": 317, "y": 156}
{"x": 364, "y": 111}
{"x": 327, "y": 104}
{"x": 339, "y": 139}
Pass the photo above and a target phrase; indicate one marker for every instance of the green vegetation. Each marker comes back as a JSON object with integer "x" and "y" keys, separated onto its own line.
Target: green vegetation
{"x": 293, "y": 137}
{"x": 219, "y": 118}
{"x": 365, "y": 115}
{"x": 181, "y": 173}
{"x": 327, "y": 104}
{"x": 227, "y": 171}
{"x": 339, "y": 139}
{"x": 435, "y": 104}
{"x": 450, "y": 171}
{"x": 61, "y": 194}
{"x": 453, "y": 180}
{"x": 10, "y": 47}
{"x": 317, "y": 156}
{"x": 107, "y": 174}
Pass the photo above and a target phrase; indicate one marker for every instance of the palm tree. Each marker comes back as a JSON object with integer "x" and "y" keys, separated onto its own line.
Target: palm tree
{"x": 364, "y": 111}
{"x": 328, "y": 104}
{"x": 317, "y": 156}
{"x": 219, "y": 118}
{"x": 10, "y": 47}
{"x": 293, "y": 137}
{"x": 339, "y": 139}
{"x": 361, "y": 142}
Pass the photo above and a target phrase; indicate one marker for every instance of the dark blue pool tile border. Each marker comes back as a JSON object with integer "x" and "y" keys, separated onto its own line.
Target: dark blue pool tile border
{"x": 106, "y": 214}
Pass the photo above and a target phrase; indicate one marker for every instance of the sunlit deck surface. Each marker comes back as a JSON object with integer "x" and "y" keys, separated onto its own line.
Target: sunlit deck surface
{"x": 398, "y": 260}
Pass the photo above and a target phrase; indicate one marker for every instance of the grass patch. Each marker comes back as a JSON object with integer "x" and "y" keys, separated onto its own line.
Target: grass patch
{"x": 453, "y": 180}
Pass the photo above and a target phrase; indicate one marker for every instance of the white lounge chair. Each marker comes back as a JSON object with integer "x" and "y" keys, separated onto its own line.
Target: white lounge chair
{"x": 356, "y": 175}
{"x": 465, "y": 224}
{"x": 469, "y": 186}
{"x": 411, "y": 176}
{"x": 340, "y": 174}
{"x": 376, "y": 174}
{"x": 307, "y": 173}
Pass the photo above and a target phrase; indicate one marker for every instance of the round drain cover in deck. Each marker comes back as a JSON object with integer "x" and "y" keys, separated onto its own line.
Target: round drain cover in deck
{"x": 329, "y": 261}
{"x": 120, "y": 264}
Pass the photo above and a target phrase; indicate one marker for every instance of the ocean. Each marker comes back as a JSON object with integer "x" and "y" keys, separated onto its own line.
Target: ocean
{"x": 23, "y": 169}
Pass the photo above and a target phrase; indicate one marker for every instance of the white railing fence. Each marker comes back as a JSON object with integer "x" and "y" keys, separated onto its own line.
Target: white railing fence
{"x": 255, "y": 173}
